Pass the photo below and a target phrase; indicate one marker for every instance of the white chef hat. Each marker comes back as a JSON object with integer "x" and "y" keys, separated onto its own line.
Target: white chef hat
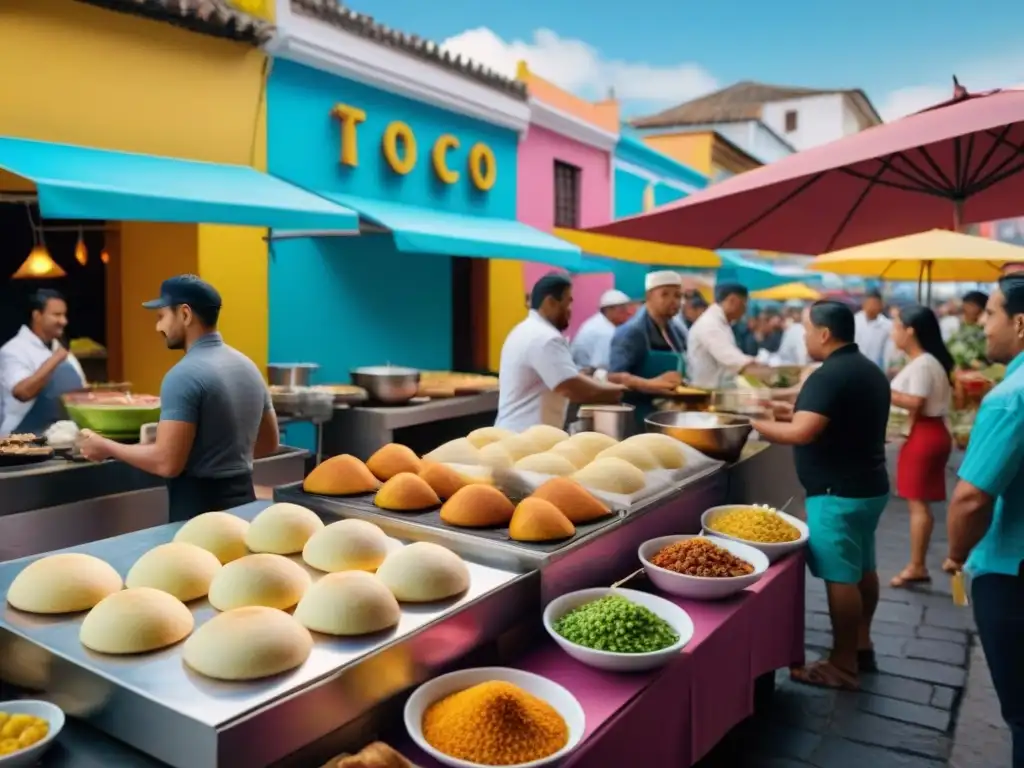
{"x": 662, "y": 278}
{"x": 613, "y": 298}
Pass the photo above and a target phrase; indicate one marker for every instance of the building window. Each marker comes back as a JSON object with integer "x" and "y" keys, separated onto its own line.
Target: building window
{"x": 567, "y": 195}
{"x": 791, "y": 120}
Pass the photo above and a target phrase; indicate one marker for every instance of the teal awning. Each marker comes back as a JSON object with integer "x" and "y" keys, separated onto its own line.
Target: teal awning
{"x": 84, "y": 183}
{"x": 426, "y": 230}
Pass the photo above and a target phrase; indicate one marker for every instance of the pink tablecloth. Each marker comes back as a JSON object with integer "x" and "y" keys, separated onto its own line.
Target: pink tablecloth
{"x": 674, "y": 716}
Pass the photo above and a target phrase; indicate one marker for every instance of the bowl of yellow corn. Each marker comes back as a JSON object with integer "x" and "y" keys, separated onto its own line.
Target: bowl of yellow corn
{"x": 773, "y": 532}
{"x": 27, "y": 728}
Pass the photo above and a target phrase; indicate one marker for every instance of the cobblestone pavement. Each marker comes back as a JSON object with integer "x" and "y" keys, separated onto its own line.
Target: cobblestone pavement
{"x": 916, "y": 713}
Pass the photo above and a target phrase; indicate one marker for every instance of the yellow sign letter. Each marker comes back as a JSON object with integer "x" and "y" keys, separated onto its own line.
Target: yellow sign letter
{"x": 441, "y": 147}
{"x": 395, "y": 131}
{"x": 483, "y": 168}
{"x": 350, "y": 117}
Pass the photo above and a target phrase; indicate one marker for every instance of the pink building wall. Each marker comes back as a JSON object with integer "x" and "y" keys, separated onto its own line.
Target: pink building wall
{"x": 535, "y": 205}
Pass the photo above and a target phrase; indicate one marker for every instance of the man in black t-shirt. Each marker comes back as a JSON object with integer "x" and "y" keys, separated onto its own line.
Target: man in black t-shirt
{"x": 837, "y": 428}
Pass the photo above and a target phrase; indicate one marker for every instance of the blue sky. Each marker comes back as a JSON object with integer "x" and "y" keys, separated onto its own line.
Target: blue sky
{"x": 902, "y": 52}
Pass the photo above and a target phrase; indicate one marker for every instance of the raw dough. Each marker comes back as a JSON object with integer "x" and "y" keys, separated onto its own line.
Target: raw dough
{"x": 273, "y": 581}
{"x": 539, "y": 520}
{"x": 612, "y": 475}
{"x": 392, "y": 459}
{"x": 668, "y": 451}
{"x": 544, "y": 436}
{"x": 546, "y": 464}
{"x": 487, "y": 435}
{"x": 347, "y": 545}
{"x": 342, "y": 475}
{"x": 178, "y": 568}
{"x": 444, "y": 480}
{"x": 282, "y": 529}
{"x": 64, "y": 583}
{"x": 591, "y": 443}
{"x": 423, "y": 572}
{"x": 406, "y": 492}
{"x": 458, "y": 451}
{"x": 350, "y": 603}
{"x": 572, "y": 452}
{"x": 136, "y": 620}
{"x": 635, "y": 454}
{"x": 247, "y": 644}
{"x": 519, "y": 446}
{"x": 496, "y": 456}
{"x": 575, "y": 502}
{"x": 477, "y": 506}
{"x": 221, "y": 533}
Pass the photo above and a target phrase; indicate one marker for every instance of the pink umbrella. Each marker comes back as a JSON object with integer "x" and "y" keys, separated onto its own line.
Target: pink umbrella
{"x": 957, "y": 163}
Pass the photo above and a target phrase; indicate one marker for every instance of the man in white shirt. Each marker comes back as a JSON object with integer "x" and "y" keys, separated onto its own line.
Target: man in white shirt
{"x": 872, "y": 329}
{"x": 713, "y": 356}
{"x": 793, "y": 348}
{"x": 537, "y": 375}
{"x": 36, "y": 370}
{"x": 949, "y": 320}
{"x": 593, "y": 342}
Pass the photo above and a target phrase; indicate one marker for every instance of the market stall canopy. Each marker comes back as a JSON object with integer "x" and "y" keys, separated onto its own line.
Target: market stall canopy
{"x": 426, "y": 230}
{"x": 639, "y": 251}
{"x": 756, "y": 276}
{"x": 939, "y": 256}
{"x": 957, "y": 163}
{"x": 788, "y": 292}
{"x": 75, "y": 182}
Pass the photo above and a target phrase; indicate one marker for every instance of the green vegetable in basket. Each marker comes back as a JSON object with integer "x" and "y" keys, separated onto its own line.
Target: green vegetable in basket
{"x": 615, "y": 624}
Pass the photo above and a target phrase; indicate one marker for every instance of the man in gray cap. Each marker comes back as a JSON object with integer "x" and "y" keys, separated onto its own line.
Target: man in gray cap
{"x": 592, "y": 345}
{"x": 215, "y": 409}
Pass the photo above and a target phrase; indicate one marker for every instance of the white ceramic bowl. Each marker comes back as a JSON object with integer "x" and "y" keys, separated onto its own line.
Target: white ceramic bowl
{"x": 774, "y": 551}
{"x": 675, "y": 616}
{"x": 558, "y": 697}
{"x": 702, "y": 587}
{"x": 44, "y": 710}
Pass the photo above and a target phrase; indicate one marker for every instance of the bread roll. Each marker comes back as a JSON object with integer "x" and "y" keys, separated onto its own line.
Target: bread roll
{"x": 392, "y": 459}
{"x": 611, "y": 475}
{"x": 538, "y": 520}
{"x": 487, "y": 435}
{"x": 406, "y": 492}
{"x": 477, "y": 506}
{"x": 568, "y": 450}
{"x": 346, "y": 604}
{"x": 342, "y": 475}
{"x": 496, "y": 456}
{"x": 635, "y": 454}
{"x": 546, "y": 464}
{"x": 458, "y": 451}
{"x": 544, "y": 436}
{"x": 591, "y": 443}
{"x": 423, "y": 573}
{"x": 136, "y": 620}
{"x": 519, "y": 446}
{"x": 282, "y": 529}
{"x": 574, "y": 501}
{"x": 269, "y": 580}
{"x": 221, "y": 533}
{"x": 64, "y": 583}
{"x": 668, "y": 451}
{"x": 347, "y": 545}
{"x": 443, "y": 479}
{"x": 248, "y": 644}
{"x": 178, "y": 568}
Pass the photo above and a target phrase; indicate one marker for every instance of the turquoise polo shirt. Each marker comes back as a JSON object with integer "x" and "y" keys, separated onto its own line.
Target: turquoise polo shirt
{"x": 995, "y": 464}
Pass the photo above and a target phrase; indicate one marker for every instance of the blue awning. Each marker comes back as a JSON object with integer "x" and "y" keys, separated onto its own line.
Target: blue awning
{"x": 758, "y": 276}
{"x": 84, "y": 183}
{"x": 426, "y": 230}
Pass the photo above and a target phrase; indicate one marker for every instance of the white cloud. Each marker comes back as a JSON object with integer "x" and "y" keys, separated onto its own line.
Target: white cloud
{"x": 579, "y": 68}
{"x": 974, "y": 76}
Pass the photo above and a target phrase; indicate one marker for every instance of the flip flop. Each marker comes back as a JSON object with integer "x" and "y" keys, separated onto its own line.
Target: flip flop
{"x": 866, "y": 661}
{"x": 825, "y": 674}
{"x": 903, "y": 580}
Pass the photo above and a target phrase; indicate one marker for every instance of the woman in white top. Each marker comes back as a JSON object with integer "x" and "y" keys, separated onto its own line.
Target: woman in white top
{"x": 923, "y": 389}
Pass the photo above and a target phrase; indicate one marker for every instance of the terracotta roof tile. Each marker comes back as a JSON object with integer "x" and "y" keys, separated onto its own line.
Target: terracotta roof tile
{"x": 338, "y": 15}
{"x": 208, "y": 17}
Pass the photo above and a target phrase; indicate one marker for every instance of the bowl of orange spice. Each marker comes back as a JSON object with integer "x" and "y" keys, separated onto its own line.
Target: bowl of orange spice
{"x": 494, "y": 716}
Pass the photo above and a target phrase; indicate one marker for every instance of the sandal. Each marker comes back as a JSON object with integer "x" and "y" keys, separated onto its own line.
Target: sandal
{"x": 866, "y": 661}
{"x": 907, "y": 578}
{"x": 825, "y": 674}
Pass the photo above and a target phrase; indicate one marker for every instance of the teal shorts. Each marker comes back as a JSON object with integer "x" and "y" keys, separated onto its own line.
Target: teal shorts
{"x": 841, "y": 547}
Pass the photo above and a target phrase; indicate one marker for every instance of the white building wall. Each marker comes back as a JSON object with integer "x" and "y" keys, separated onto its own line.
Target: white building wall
{"x": 820, "y": 119}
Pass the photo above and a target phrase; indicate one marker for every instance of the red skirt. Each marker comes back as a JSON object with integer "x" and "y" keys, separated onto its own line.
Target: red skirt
{"x": 921, "y": 470}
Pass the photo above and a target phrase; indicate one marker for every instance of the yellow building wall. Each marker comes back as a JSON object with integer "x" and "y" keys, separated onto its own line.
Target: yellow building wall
{"x": 506, "y": 306}
{"x": 692, "y": 149}
{"x": 77, "y": 74}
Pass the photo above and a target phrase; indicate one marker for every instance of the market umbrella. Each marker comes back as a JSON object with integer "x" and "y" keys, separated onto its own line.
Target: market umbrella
{"x": 756, "y": 276}
{"x": 788, "y": 292}
{"x": 957, "y": 163}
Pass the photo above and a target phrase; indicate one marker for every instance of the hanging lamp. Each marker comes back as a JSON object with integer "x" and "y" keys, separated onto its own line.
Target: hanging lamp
{"x": 81, "y": 252}
{"x": 104, "y": 256}
{"x": 39, "y": 266}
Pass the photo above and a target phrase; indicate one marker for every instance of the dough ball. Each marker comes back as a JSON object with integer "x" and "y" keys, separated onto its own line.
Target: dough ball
{"x": 519, "y": 446}
{"x": 248, "y": 644}
{"x": 342, "y": 475}
{"x": 544, "y": 437}
{"x": 64, "y": 583}
{"x": 136, "y": 620}
{"x": 574, "y": 501}
{"x": 487, "y": 435}
{"x": 347, "y": 545}
{"x": 179, "y": 569}
{"x": 273, "y": 581}
{"x": 423, "y": 572}
{"x": 444, "y": 480}
{"x": 496, "y": 456}
{"x": 458, "y": 451}
{"x": 546, "y": 464}
{"x": 591, "y": 443}
{"x": 406, "y": 492}
{"x": 478, "y": 506}
{"x": 635, "y": 454}
{"x": 350, "y": 603}
{"x": 568, "y": 450}
{"x": 221, "y": 533}
{"x": 282, "y": 529}
{"x": 392, "y": 459}
{"x": 667, "y": 451}
{"x": 611, "y": 475}
{"x": 539, "y": 520}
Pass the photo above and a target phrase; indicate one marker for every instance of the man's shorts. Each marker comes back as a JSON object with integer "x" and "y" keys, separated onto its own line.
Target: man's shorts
{"x": 841, "y": 548}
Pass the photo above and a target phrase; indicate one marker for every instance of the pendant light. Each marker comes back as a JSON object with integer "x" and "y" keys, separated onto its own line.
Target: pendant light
{"x": 81, "y": 253}
{"x": 104, "y": 256}
{"x": 39, "y": 266}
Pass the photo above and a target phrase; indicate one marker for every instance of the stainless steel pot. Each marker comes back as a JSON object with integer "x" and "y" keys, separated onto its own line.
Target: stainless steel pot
{"x": 718, "y": 435}
{"x": 290, "y": 375}
{"x": 389, "y": 384}
{"x": 616, "y": 421}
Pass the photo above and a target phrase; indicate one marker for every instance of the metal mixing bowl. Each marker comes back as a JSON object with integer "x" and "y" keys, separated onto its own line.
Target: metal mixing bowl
{"x": 616, "y": 421}
{"x": 389, "y": 384}
{"x": 718, "y": 435}
{"x": 290, "y": 375}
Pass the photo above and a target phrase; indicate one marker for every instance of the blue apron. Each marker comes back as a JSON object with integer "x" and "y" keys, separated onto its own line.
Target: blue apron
{"x": 656, "y": 362}
{"x": 48, "y": 407}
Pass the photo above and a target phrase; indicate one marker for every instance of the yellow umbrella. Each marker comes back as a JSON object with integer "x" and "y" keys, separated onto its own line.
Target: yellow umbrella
{"x": 787, "y": 292}
{"x": 640, "y": 251}
{"x": 935, "y": 256}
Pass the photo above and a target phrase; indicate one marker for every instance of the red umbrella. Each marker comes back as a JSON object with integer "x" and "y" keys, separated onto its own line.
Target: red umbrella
{"x": 956, "y": 163}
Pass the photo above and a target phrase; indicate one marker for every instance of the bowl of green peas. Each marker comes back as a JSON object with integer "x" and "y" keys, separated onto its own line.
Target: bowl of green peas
{"x": 619, "y": 630}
